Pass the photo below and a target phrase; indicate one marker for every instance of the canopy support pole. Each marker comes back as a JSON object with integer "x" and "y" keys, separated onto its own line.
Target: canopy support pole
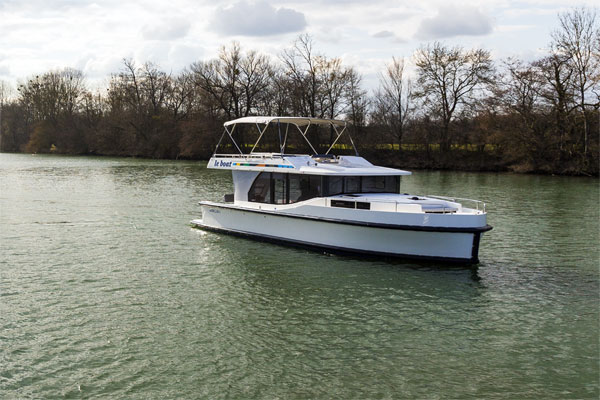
{"x": 305, "y": 138}
{"x": 231, "y": 137}
{"x": 336, "y": 139}
{"x": 221, "y": 139}
{"x": 287, "y": 127}
{"x": 259, "y": 136}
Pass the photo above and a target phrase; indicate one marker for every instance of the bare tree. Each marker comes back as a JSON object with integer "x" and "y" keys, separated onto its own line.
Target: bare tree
{"x": 450, "y": 78}
{"x": 3, "y": 96}
{"x": 393, "y": 100}
{"x": 578, "y": 39}
{"x": 557, "y": 90}
{"x": 234, "y": 80}
{"x": 357, "y": 99}
{"x": 256, "y": 71}
{"x": 300, "y": 64}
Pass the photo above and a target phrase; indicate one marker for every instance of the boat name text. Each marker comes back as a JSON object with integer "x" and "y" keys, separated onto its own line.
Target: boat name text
{"x": 221, "y": 163}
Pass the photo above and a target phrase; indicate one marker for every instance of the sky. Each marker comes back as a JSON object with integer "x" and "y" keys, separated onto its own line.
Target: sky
{"x": 37, "y": 36}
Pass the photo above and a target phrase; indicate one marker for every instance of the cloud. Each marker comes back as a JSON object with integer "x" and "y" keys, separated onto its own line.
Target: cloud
{"x": 389, "y": 35}
{"x": 167, "y": 30}
{"x": 383, "y": 34}
{"x": 257, "y": 19}
{"x": 452, "y": 21}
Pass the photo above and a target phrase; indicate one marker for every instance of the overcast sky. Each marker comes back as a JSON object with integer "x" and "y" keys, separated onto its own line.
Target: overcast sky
{"x": 95, "y": 36}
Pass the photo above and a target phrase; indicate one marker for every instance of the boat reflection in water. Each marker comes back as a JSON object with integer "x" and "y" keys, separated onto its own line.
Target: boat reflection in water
{"x": 340, "y": 204}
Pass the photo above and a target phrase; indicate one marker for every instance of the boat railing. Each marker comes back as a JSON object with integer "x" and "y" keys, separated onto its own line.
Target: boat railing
{"x": 476, "y": 204}
{"x": 400, "y": 206}
{"x": 255, "y": 156}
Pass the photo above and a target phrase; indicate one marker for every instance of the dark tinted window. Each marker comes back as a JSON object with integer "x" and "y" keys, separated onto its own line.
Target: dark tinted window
{"x": 304, "y": 187}
{"x": 352, "y": 184}
{"x": 279, "y": 188}
{"x": 361, "y": 184}
{"x": 335, "y": 185}
{"x": 260, "y": 191}
{"x": 380, "y": 184}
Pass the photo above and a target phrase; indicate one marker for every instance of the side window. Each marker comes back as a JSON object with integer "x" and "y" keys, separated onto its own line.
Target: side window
{"x": 279, "y": 188}
{"x": 304, "y": 187}
{"x": 373, "y": 184}
{"x": 260, "y": 192}
{"x": 380, "y": 184}
{"x": 297, "y": 183}
{"x": 392, "y": 184}
{"x": 335, "y": 185}
{"x": 352, "y": 184}
{"x": 314, "y": 188}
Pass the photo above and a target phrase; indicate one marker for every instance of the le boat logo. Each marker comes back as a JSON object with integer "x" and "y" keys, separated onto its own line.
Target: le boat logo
{"x": 221, "y": 163}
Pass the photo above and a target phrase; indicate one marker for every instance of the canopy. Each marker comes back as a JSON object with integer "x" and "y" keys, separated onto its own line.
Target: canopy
{"x": 298, "y": 121}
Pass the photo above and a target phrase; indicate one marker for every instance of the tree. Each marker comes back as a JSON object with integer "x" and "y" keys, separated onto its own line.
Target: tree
{"x": 53, "y": 101}
{"x": 450, "y": 78}
{"x": 3, "y": 95}
{"x": 557, "y": 78}
{"x": 300, "y": 64}
{"x": 578, "y": 40}
{"x": 234, "y": 80}
{"x": 393, "y": 100}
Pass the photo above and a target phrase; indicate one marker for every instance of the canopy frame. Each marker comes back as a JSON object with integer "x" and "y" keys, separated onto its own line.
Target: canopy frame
{"x": 301, "y": 123}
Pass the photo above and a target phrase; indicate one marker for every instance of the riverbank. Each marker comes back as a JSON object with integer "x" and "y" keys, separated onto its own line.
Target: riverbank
{"x": 481, "y": 161}
{"x": 418, "y": 159}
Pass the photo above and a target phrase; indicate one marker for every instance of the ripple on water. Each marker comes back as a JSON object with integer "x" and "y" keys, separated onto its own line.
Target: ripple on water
{"x": 105, "y": 291}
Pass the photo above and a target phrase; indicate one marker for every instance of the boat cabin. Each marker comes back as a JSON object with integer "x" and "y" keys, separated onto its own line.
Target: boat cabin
{"x": 281, "y": 178}
{"x": 288, "y": 188}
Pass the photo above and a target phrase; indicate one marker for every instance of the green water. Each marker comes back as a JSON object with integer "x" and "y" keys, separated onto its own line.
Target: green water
{"x": 106, "y": 292}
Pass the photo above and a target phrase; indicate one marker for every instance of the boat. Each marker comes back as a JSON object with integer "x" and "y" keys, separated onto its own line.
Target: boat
{"x": 340, "y": 204}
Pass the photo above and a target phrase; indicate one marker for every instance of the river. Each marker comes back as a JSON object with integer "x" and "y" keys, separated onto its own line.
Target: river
{"x": 106, "y": 292}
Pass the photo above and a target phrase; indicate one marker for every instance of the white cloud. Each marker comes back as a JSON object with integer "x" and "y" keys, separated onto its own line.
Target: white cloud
{"x": 257, "y": 19}
{"x": 388, "y": 35}
{"x": 40, "y": 35}
{"x": 383, "y": 34}
{"x": 454, "y": 21}
{"x": 166, "y": 30}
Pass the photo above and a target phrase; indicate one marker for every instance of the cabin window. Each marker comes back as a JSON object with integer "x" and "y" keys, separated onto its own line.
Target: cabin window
{"x": 304, "y": 187}
{"x": 352, "y": 184}
{"x": 361, "y": 205}
{"x": 335, "y": 185}
{"x": 343, "y": 204}
{"x": 279, "y": 188}
{"x": 380, "y": 184}
{"x": 361, "y": 184}
{"x": 260, "y": 192}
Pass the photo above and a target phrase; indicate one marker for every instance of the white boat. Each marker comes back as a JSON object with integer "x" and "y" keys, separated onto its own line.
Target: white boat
{"x": 337, "y": 204}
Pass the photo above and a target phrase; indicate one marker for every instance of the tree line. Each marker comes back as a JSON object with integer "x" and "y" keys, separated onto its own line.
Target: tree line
{"x": 462, "y": 110}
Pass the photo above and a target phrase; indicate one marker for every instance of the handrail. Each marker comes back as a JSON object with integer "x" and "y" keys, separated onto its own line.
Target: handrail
{"x": 254, "y": 155}
{"x": 477, "y": 203}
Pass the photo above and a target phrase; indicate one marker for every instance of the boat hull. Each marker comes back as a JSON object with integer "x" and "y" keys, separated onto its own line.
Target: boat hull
{"x": 398, "y": 241}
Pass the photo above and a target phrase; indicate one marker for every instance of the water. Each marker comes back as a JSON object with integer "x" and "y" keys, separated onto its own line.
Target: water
{"x": 106, "y": 292}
